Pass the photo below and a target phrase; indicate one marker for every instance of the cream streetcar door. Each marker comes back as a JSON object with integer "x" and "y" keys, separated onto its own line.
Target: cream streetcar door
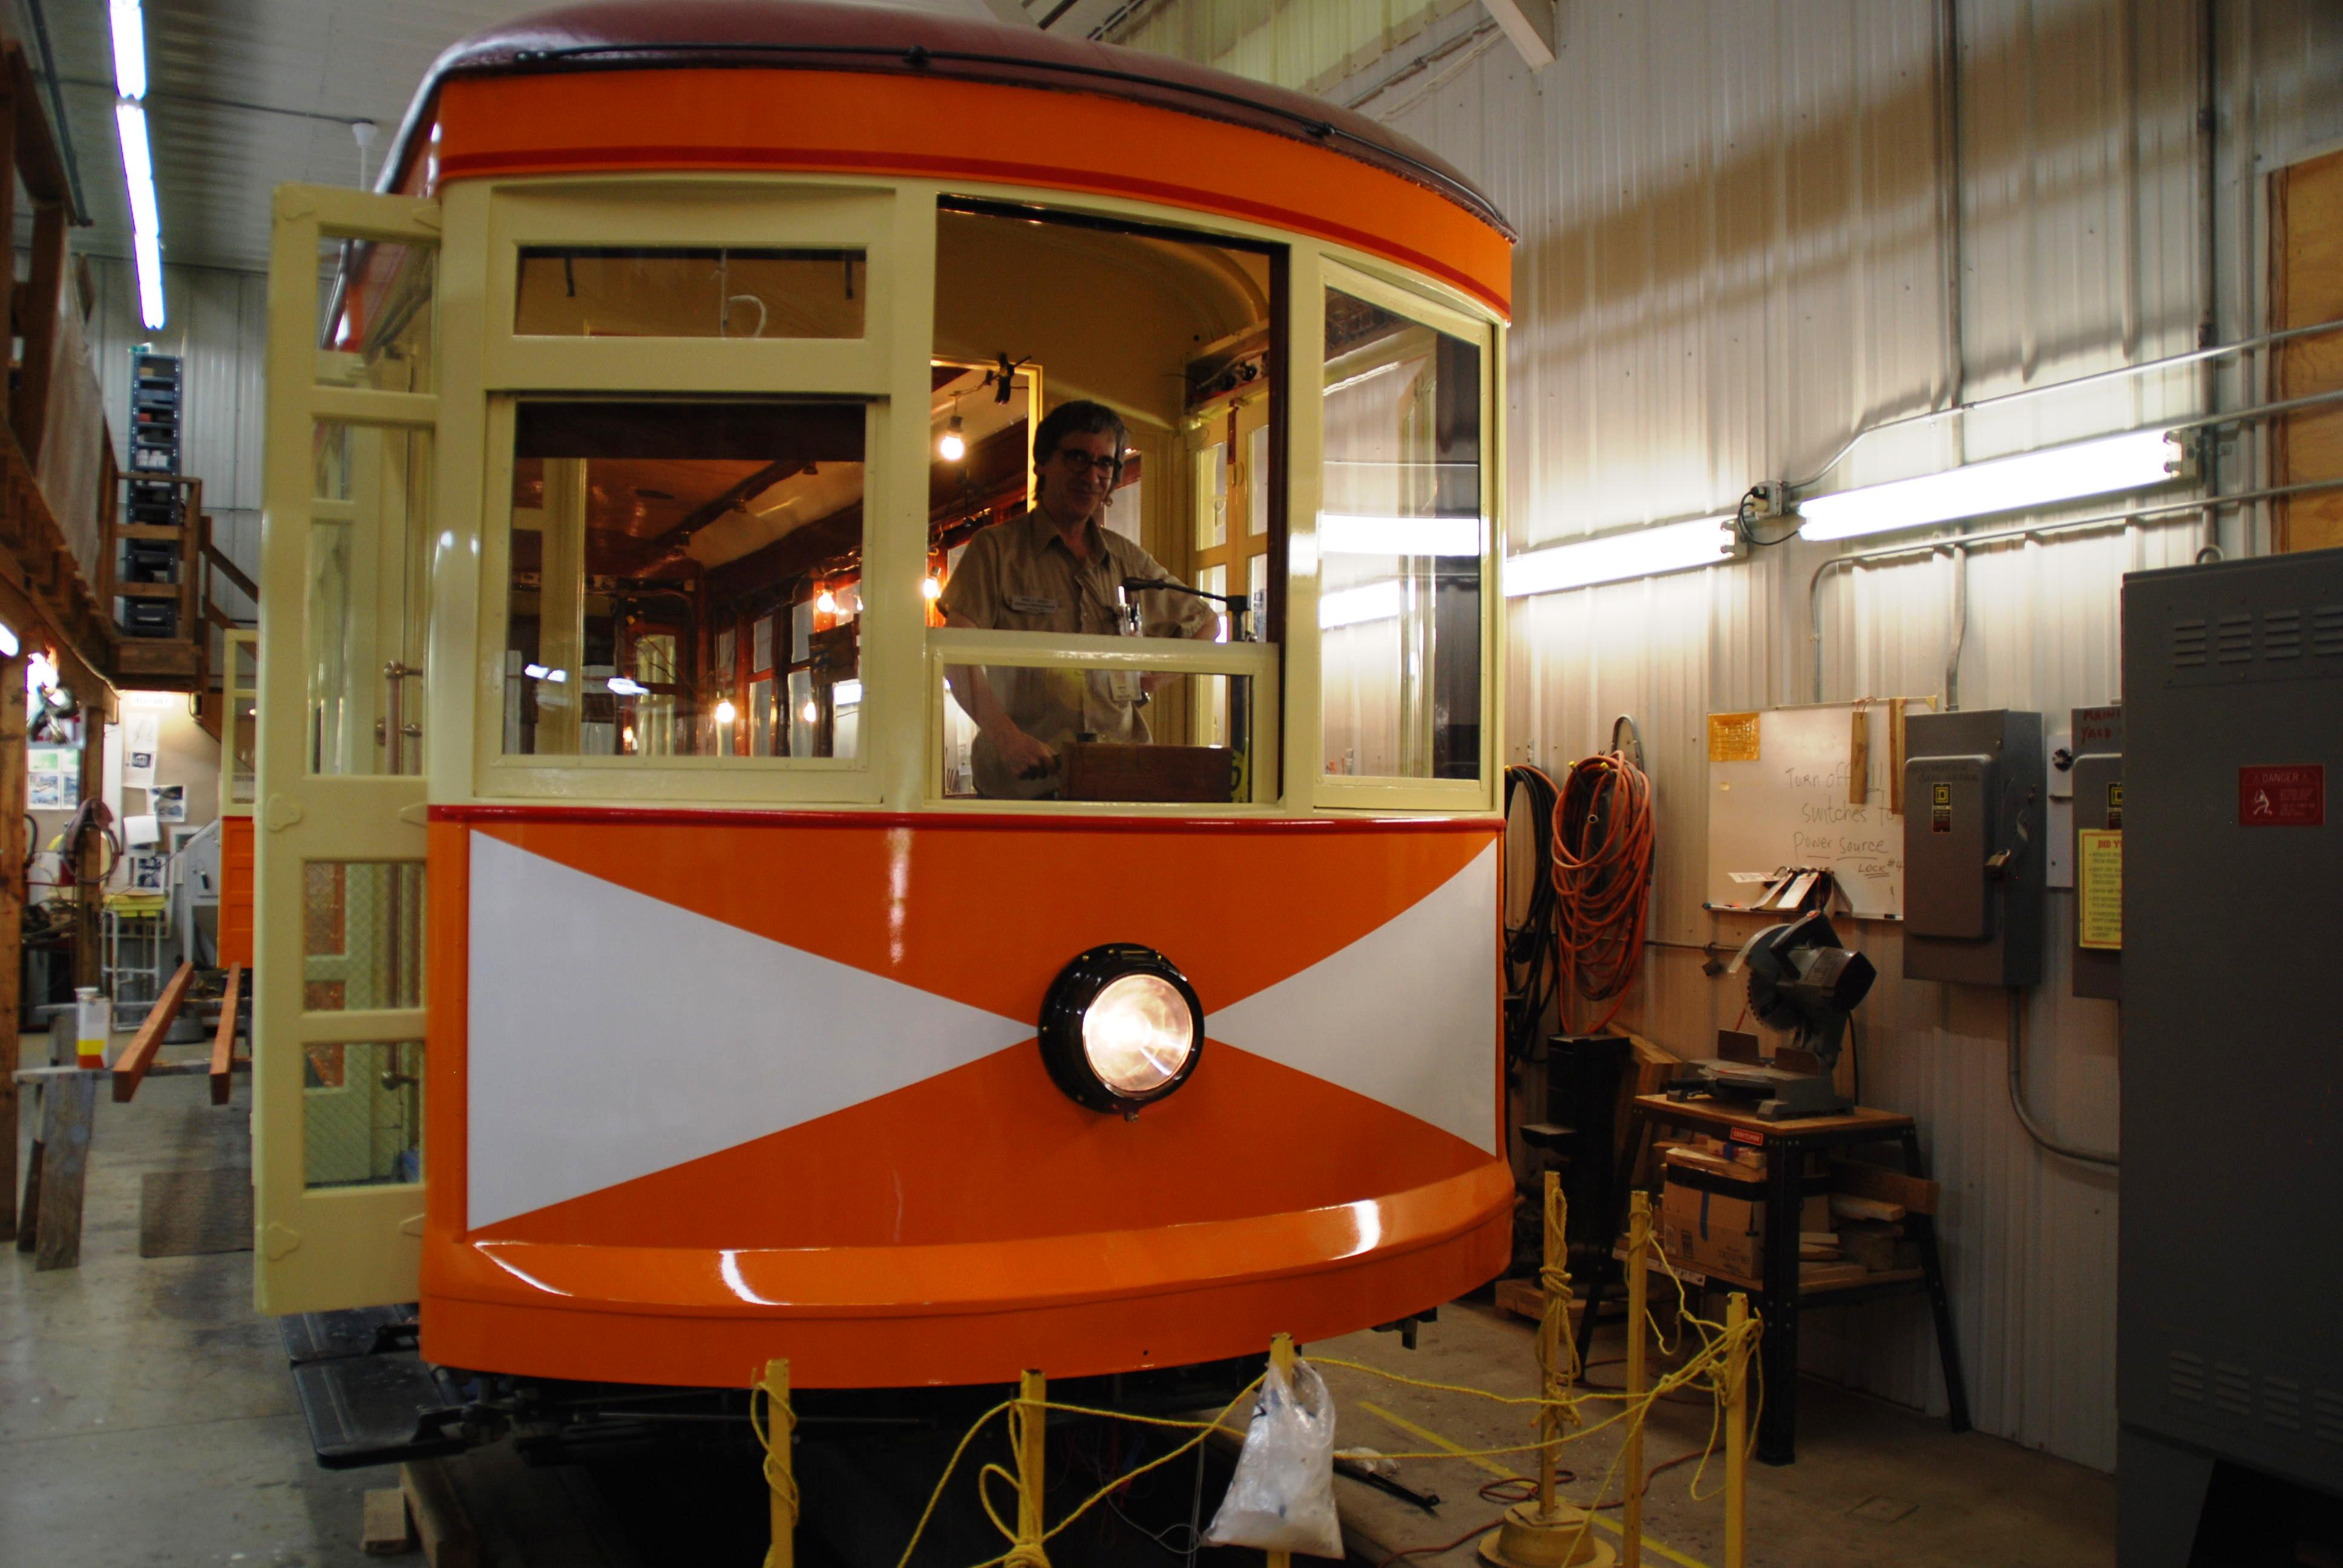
{"x": 338, "y": 1040}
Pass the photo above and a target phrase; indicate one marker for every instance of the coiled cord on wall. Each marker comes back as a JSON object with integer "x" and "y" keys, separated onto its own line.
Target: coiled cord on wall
{"x": 1604, "y": 831}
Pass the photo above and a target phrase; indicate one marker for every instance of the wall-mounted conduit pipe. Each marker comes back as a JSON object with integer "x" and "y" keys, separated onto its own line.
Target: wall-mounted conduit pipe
{"x": 2024, "y": 534}
{"x": 2017, "y": 1093}
{"x": 2145, "y": 368}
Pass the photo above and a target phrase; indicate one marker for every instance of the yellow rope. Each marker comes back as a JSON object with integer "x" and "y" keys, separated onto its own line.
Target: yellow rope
{"x": 1705, "y": 1368}
{"x": 774, "y": 1431}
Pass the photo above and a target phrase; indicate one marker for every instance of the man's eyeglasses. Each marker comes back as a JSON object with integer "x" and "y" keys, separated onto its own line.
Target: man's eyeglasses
{"x": 1080, "y": 462}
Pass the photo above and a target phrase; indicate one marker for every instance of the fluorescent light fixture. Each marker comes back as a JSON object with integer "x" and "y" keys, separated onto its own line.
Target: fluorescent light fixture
{"x": 147, "y": 247}
{"x": 2132, "y": 461}
{"x": 539, "y": 672}
{"x": 846, "y": 694}
{"x": 1355, "y": 607}
{"x": 149, "y": 252}
{"x": 1612, "y": 557}
{"x": 137, "y": 166}
{"x": 1354, "y": 536}
{"x": 621, "y": 686}
{"x": 8, "y": 643}
{"x": 129, "y": 47}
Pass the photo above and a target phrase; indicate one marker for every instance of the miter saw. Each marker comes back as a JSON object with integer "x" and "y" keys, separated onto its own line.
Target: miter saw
{"x": 1800, "y": 979}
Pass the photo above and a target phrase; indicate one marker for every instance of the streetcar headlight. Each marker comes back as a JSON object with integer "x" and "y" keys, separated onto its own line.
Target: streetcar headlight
{"x": 1121, "y": 1028}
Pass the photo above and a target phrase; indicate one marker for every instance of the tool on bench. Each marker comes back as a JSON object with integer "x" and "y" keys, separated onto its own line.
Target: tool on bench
{"x": 1800, "y": 979}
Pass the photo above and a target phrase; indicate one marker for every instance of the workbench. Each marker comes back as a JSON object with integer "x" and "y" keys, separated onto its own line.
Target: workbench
{"x": 1787, "y": 1146}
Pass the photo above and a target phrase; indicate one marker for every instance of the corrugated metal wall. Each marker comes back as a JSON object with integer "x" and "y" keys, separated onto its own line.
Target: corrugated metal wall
{"x": 1736, "y": 253}
{"x": 217, "y": 323}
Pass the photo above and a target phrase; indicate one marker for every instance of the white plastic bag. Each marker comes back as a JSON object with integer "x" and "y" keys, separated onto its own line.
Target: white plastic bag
{"x": 1281, "y": 1498}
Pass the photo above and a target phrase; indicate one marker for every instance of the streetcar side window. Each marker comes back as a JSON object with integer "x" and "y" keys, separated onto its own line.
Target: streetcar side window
{"x": 1401, "y": 532}
{"x": 690, "y": 291}
{"x": 678, "y": 568}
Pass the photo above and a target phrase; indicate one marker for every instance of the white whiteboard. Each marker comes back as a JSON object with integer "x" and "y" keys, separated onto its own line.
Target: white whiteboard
{"x": 1790, "y": 807}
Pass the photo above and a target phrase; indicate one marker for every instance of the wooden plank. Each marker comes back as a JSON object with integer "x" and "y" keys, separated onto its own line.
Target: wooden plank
{"x": 147, "y": 590}
{"x": 1856, "y": 1179}
{"x": 448, "y": 1538}
{"x": 68, "y": 1108}
{"x": 387, "y": 1533}
{"x": 224, "y": 1040}
{"x": 229, "y": 569}
{"x": 39, "y": 302}
{"x": 2306, "y": 262}
{"x": 1711, "y": 1114}
{"x": 131, "y": 1066}
{"x": 1847, "y": 1206}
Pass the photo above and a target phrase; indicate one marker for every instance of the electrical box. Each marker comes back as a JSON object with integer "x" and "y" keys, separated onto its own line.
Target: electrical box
{"x": 2097, "y": 775}
{"x": 1975, "y": 823}
{"x": 2226, "y": 1353}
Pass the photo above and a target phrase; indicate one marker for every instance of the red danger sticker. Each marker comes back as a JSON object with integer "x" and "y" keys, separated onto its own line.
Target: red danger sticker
{"x": 2292, "y": 797}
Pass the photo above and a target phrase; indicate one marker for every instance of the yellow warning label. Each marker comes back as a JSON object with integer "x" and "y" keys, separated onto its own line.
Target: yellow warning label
{"x": 1942, "y": 794}
{"x": 2099, "y": 888}
{"x": 1733, "y": 737}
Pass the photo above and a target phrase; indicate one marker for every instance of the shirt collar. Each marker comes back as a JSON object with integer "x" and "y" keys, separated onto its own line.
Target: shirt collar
{"x": 1045, "y": 534}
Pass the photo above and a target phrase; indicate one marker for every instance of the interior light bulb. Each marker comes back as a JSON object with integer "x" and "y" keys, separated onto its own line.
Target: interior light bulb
{"x": 827, "y": 602}
{"x": 955, "y": 445}
{"x": 931, "y": 588}
{"x": 811, "y": 711}
{"x": 726, "y": 712}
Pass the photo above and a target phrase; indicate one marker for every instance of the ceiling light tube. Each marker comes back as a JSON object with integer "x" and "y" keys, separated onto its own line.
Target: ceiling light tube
{"x": 137, "y": 166}
{"x": 2133, "y": 461}
{"x": 1614, "y": 558}
{"x": 1341, "y": 535}
{"x": 149, "y": 256}
{"x": 8, "y": 643}
{"x": 129, "y": 47}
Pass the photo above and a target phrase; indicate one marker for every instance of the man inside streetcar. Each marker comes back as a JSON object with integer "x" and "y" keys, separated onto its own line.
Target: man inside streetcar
{"x": 1056, "y": 569}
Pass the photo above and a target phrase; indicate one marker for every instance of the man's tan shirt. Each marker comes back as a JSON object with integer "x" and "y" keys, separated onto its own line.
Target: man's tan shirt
{"x": 1019, "y": 576}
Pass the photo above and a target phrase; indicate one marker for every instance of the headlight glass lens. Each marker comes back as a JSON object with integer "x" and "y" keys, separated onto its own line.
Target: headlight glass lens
{"x": 1138, "y": 1033}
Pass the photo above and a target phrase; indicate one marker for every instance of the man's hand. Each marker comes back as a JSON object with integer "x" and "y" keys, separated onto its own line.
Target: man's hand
{"x": 1024, "y": 756}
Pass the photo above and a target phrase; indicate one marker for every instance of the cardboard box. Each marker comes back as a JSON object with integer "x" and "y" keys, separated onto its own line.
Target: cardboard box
{"x": 1720, "y": 1232}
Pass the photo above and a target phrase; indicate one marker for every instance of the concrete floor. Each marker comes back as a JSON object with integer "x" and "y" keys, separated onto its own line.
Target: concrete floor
{"x": 147, "y": 1417}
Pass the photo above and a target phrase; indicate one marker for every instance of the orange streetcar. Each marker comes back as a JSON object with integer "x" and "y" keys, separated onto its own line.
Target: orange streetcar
{"x": 879, "y": 726}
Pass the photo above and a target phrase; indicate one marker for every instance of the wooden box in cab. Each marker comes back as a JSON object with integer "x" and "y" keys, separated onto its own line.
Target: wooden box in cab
{"x": 1109, "y": 770}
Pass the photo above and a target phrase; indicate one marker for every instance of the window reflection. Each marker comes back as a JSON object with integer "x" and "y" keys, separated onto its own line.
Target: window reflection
{"x": 1400, "y": 535}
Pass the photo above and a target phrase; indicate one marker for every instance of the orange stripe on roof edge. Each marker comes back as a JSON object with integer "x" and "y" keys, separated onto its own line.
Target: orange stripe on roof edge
{"x": 850, "y": 122}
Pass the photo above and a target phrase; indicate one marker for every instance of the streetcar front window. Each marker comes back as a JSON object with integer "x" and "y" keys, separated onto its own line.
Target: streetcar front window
{"x": 676, "y": 567}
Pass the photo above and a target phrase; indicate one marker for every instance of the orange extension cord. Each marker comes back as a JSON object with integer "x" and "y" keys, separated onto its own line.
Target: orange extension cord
{"x": 1603, "y": 833}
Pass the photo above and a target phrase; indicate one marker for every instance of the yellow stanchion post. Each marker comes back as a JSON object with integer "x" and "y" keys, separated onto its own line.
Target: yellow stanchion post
{"x": 1639, "y": 1244}
{"x": 1026, "y": 1428}
{"x": 780, "y": 1475}
{"x": 1736, "y": 1431}
{"x": 1281, "y": 1356}
{"x": 1549, "y": 1533}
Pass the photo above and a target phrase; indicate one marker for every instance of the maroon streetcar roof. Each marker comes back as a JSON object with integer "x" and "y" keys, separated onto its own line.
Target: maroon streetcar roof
{"x": 815, "y": 35}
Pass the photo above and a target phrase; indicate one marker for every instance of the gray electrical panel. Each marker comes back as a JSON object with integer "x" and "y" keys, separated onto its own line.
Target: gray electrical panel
{"x": 2226, "y": 1350}
{"x": 2097, "y": 772}
{"x": 1975, "y": 810}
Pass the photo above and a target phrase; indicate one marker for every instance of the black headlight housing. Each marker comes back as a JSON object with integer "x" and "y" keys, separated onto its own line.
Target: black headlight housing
{"x": 1134, "y": 1056}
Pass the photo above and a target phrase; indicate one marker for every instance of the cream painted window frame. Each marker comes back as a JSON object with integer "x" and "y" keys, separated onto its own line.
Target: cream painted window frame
{"x": 893, "y": 225}
{"x": 1256, "y": 661}
{"x": 1339, "y": 792}
{"x": 696, "y": 212}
